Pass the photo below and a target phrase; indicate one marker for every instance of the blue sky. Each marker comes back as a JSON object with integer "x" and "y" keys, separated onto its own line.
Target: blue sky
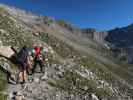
{"x": 99, "y": 14}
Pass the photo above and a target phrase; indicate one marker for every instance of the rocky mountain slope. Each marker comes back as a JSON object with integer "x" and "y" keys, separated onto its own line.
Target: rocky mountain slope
{"x": 121, "y": 39}
{"x": 78, "y": 68}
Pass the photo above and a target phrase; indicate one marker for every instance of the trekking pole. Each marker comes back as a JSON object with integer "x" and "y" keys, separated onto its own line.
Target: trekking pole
{"x": 14, "y": 49}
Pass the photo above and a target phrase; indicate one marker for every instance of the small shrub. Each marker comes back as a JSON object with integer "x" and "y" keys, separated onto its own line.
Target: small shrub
{"x": 2, "y": 9}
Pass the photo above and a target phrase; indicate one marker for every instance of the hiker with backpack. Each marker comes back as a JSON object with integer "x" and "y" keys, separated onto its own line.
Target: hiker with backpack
{"x": 38, "y": 58}
{"x": 22, "y": 58}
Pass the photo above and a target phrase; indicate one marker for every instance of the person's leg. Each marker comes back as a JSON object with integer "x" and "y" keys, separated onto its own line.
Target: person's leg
{"x": 34, "y": 66}
{"x": 23, "y": 77}
{"x": 24, "y": 72}
{"x": 20, "y": 76}
{"x": 41, "y": 65}
{"x": 29, "y": 67}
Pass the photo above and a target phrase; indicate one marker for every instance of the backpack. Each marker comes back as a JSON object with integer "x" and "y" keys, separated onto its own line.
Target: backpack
{"x": 22, "y": 55}
{"x": 37, "y": 54}
{"x": 37, "y": 51}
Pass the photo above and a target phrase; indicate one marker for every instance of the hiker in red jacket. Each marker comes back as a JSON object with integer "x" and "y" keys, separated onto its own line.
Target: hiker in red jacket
{"x": 37, "y": 58}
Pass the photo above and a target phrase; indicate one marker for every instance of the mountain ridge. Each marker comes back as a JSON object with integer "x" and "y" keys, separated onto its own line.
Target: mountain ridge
{"x": 121, "y": 39}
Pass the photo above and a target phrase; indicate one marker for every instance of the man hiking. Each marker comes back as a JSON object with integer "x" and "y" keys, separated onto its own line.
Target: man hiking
{"x": 37, "y": 58}
{"x": 22, "y": 58}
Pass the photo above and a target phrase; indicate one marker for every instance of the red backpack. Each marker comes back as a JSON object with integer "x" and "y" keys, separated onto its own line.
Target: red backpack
{"x": 37, "y": 51}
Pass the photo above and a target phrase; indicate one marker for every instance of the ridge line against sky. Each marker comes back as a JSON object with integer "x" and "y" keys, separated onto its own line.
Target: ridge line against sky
{"x": 99, "y": 14}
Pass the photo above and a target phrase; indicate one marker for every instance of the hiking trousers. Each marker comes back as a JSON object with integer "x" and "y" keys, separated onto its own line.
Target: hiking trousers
{"x": 36, "y": 62}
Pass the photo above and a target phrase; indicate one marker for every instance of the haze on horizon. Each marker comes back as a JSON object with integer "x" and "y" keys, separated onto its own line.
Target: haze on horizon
{"x": 99, "y": 14}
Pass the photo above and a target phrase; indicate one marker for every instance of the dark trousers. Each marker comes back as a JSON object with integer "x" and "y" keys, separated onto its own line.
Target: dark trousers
{"x": 35, "y": 64}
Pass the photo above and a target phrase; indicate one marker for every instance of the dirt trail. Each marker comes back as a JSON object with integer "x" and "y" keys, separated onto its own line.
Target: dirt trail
{"x": 36, "y": 89}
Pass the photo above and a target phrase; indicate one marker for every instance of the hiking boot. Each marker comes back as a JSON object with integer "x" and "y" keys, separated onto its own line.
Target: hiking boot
{"x": 30, "y": 78}
{"x": 22, "y": 82}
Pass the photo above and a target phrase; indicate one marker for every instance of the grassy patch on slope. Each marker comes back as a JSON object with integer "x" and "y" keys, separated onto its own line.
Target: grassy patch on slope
{"x": 77, "y": 85}
{"x": 3, "y": 84}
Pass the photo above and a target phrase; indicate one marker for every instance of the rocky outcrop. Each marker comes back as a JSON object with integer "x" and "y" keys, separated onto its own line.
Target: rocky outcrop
{"x": 6, "y": 51}
{"x": 95, "y": 35}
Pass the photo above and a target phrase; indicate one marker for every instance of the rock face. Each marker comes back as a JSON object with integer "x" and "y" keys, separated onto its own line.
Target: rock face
{"x": 93, "y": 34}
{"x": 121, "y": 38}
{"x": 1, "y": 43}
{"x": 76, "y": 67}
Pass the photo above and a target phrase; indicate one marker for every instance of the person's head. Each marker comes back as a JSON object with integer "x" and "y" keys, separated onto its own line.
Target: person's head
{"x": 24, "y": 47}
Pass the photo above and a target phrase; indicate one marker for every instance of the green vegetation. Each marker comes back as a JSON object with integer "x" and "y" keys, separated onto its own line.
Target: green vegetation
{"x": 14, "y": 34}
{"x": 104, "y": 72}
{"x": 2, "y": 9}
{"x": 2, "y": 81}
{"x": 3, "y": 97}
{"x": 2, "y": 85}
{"x": 77, "y": 85}
{"x": 59, "y": 46}
{"x": 47, "y": 20}
{"x": 67, "y": 25}
{"x": 100, "y": 69}
{"x": 62, "y": 22}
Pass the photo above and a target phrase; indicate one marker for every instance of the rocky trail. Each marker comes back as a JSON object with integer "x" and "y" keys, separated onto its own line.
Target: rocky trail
{"x": 31, "y": 90}
{"x": 36, "y": 86}
{"x": 40, "y": 89}
{"x": 43, "y": 86}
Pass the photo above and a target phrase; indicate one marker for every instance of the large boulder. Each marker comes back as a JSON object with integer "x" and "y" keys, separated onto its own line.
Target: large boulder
{"x": 6, "y": 51}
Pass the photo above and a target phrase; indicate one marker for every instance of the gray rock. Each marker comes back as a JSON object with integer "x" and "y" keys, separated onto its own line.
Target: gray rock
{"x": 1, "y": 44}
{"x": 94, "y": 97}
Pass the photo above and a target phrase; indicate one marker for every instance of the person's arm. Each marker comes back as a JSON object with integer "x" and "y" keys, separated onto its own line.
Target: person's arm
{"x": 29, "y": 63}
